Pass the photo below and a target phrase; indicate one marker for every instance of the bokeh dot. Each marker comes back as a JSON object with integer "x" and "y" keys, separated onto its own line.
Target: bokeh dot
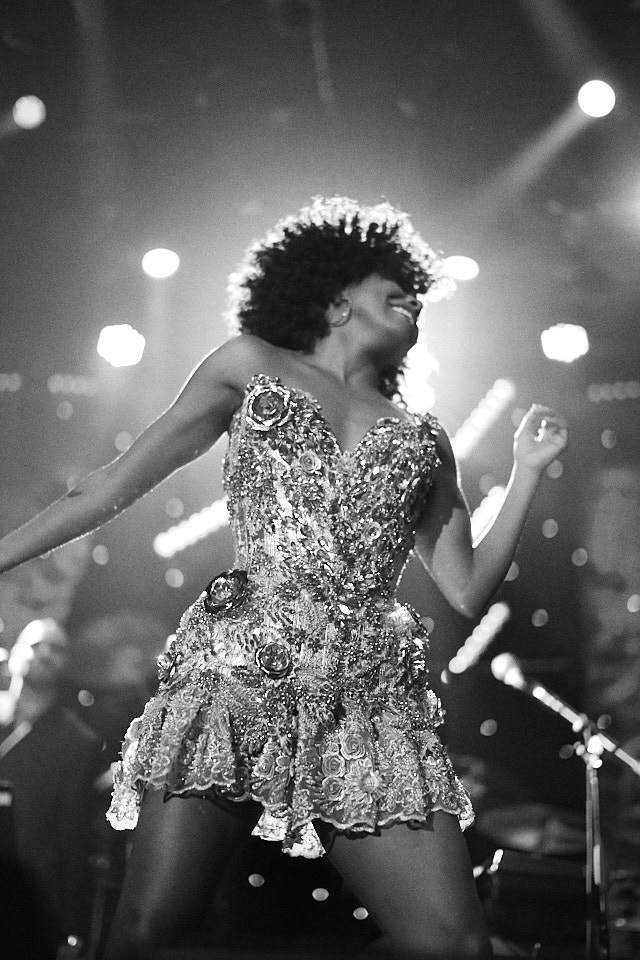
{"x": 428, "y": 623}
{"x": 579, "y": 557}
{"x": 566, "y": 751}
{"x": 633, "y": 603}
{"x": 123, "y": 441}
{"x": 361, "y": 913}
{"x": 320, "y": 894}
{"x": 100, "y": 554}
{"x": 86, "y": 698}
{"x": 174, "y": 578}
{"x": 549, "y": 529}
{"x": 555, "y": 469}
{"x": 539, "y": 618}
{"x": 64, "y": 410}
{"x": 174, "y": 507}
{"x": 255, "y": 880}
{"x": 488, "y": 728}
{"x": 608, "y": 439}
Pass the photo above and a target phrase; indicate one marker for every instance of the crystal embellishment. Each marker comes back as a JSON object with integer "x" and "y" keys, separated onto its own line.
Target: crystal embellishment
{"x": 269, "y": 406}
{"x": 226, "y": 591}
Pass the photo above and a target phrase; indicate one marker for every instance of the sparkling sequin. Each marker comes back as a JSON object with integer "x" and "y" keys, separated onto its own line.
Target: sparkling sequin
{"x": 297, "y": 679}
{"x": 269, "y": 406}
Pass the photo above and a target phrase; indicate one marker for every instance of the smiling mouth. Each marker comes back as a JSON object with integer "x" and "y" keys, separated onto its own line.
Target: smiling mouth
{"x": 405, "y": 312}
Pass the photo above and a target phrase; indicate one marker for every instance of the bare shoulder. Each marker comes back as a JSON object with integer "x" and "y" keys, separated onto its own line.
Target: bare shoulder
{"x": 232, "y": 365}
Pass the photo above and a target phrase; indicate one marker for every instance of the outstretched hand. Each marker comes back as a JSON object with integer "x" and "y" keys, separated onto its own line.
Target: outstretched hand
{"x": 540, "y": 438}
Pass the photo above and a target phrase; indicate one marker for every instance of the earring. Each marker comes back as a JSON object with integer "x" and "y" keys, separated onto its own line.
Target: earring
{"x": 345, "y": 315}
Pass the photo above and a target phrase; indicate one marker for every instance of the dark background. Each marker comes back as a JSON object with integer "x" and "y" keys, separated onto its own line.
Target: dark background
{"x": 195, "y": 125}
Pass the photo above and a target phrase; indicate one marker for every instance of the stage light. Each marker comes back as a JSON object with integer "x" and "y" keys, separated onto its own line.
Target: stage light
{"x": 620, "y": 390}
{"x": 123, "y": 440}
{"x": 564, "y": 342}
{"x": 194, "y": 528}
{"x": 550, "y": 529}
{"x": 10, "y": 382}
{"x": 174, "y": 578}
{"x": 417, "y": 392}
{"x": 160, "y": 263}
{"x": 121, "y": 345}
{"x": 100, "y": 555}
{"x": 29, "y": 112}
{"x": 68, "y": 383}
{"x": 633, "y": 603}
{"x": 596, "y": 98}
{"x": 540, "y": 618}
{"x": 461, "y": 268}
{"x": 482, "y": 418}
{"x": 482, "y": 635}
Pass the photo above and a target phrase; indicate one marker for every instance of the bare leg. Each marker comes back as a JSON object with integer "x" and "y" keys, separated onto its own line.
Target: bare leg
{"x": 418, "y": 887}
{"x": 180, "y": 848}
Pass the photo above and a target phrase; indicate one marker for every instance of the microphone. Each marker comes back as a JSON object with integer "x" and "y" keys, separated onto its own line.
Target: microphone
{"x": 506, "y": 668}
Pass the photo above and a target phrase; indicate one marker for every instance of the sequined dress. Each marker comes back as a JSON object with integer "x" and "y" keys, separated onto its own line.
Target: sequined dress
{"x": 297, "y": 678}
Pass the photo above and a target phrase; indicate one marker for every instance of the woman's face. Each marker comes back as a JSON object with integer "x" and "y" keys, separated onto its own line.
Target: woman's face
{"x": 383, "y": 312}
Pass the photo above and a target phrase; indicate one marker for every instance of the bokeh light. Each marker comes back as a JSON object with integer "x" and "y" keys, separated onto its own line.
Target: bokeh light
{"x": 461, "y": 268}
{"x": 121, "y": 345}
{"x": 160, "y": 263}
{"x": 596, "y": 98}
{"x": 29, "y": 112}
{"x": 565, "y": 342}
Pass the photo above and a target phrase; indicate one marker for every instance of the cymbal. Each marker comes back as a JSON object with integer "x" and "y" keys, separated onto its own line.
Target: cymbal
{"x": 534, "y": 828}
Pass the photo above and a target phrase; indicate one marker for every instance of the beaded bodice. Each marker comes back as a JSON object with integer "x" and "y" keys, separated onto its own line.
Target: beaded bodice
{"x": 296, "y": 678}
{"x": 338, "y": 523}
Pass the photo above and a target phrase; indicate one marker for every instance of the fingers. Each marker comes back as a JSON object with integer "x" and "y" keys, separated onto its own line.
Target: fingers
{"x": 545, "y": 421}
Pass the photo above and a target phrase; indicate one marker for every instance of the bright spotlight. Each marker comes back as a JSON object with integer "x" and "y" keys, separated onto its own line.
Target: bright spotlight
{"x": 29, "y": 112}
{"x": 565, "y": 342}
{"x": 160, "y": 263}
{"x": 461, "y": 268}
{"x": 121, "y": 345}
{"x": 596, "y": 98}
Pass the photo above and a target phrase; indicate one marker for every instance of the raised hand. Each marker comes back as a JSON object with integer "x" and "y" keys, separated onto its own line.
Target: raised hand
{"x": 540, "y": 438}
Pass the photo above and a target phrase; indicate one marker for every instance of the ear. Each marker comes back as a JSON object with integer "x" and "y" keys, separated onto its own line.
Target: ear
{"x": 339, "y": 312}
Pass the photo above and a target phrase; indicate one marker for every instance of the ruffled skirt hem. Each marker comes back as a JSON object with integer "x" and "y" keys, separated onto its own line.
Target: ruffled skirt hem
{"x": 364, "y": 771}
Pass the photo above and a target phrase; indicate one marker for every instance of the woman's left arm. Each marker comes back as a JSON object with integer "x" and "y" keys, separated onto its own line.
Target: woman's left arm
{"x": 468, "y": 573}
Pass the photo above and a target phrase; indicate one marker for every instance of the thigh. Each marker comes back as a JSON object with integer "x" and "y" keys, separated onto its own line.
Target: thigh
{"x": 181, "y": 846}
{"x": 418, "y": 886}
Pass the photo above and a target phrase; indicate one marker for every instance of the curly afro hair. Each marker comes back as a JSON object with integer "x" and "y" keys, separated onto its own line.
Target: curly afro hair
{"x": 286, "y": 282}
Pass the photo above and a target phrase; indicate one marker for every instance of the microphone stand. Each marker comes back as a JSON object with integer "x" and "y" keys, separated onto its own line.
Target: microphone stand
{"x": 593, "y": 746}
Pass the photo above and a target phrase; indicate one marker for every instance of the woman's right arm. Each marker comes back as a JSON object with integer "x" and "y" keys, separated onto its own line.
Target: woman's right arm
{"x": 190, "y": 426}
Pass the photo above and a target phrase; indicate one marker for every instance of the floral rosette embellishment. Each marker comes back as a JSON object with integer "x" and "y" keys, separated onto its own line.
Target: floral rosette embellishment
{"x": 310, "y": 461}
{"x": 269, "y": 406}
{"x": 227, "y": 590}
{"x": 274, "y": 659}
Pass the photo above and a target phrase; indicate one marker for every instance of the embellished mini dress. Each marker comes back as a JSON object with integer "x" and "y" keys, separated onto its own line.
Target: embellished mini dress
{"x": 297, "y": 679}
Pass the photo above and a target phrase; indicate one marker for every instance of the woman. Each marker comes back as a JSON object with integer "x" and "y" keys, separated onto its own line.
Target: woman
{"x": 295, "y": 691}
